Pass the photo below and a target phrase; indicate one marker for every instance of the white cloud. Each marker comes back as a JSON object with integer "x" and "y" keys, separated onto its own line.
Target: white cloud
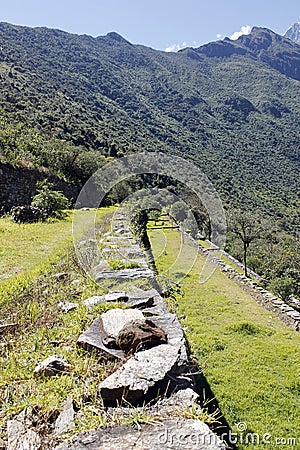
{"x": 245, "y": 29}
{"x": 219, "y": 36}
{"x": 176, "y": 47}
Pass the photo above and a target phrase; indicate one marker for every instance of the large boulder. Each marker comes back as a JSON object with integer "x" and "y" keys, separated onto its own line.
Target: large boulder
{"x": 142, "y": 377}
{"x": 102, "y": 333}
{"x": 115, "y": 319}
{"x": 140, "y": 335}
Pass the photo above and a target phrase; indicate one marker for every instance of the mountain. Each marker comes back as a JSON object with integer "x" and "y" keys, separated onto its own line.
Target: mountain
{"x": 293, "y": 33}
{"x": 70, "y": 103}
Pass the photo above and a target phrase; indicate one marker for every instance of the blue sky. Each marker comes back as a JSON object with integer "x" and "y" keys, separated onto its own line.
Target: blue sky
{"x": 157, "y": 23}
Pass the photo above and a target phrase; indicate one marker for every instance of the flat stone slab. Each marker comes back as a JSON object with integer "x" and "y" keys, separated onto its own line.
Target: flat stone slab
{"x": 67, "y": 306}
{"x": 175, "y": 434}
{"x": 166, "y": 407}
{"x": 65, "y": 420}
{"x": 93, "y": 301}
{"x": 178, "y": 401}
{"x": 294, "y": 315}
{"x": 116, "y": 296}
{"x": 286, "y": 308}
{"x": 277, "y": 302}
{"x": 173, "y": 329}
{"x": 142, "y": 299}
{"x": 144, "y": 374}
{"x": 94, "y": 338}
{"x": 125, "y": 274}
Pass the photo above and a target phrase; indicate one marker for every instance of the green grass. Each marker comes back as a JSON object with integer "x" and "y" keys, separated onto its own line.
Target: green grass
{"x": 250, "y": 358}
{"x": 204, "y": 244}
{"x": 31, "y": 299}
{"x": 161, "y": 223}
{"x": 24, "y": 247}
{"x": 45, "y": 330}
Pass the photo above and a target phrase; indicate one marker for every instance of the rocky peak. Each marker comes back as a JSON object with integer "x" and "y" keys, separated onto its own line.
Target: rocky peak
{"x": 293, "y": 33}
{"x": 113, "y": 36}
{"x": 261, "y": 44}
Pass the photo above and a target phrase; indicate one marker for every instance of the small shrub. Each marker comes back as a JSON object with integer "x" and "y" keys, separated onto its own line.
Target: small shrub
{"x": 28, "y": 214}
{"x": 51, "y": 201}
{"x": 246, "y": 328}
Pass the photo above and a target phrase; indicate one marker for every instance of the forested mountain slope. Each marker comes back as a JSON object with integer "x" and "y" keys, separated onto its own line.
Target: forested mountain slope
{"x": 70, "y": 102}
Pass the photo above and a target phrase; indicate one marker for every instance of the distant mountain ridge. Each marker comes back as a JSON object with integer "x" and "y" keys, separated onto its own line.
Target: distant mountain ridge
{"x": 261, "y": 44}
{"x": 232, "y": 107}
{"x": 293, "y": 33}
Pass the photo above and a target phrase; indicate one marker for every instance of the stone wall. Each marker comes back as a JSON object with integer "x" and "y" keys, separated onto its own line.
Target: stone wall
{"x": 18, "y": 185}
{"x": 154, "y": 374}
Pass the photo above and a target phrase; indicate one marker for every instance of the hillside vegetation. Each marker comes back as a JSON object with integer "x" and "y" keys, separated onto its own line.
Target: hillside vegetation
{"x": 70, "y": 103}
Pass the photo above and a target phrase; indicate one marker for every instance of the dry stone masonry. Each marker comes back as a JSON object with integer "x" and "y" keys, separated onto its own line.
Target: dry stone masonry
{"x": 121, "y": 249}
{"x": 148, "y": 344}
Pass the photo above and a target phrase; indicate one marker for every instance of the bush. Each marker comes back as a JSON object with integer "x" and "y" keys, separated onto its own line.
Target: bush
{"x": 52, "y": 202}
{"x": 28, "y": 214}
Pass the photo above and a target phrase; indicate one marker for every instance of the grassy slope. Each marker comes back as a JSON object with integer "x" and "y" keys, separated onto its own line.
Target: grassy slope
{"x": 24, "y": 246}
{"x": 33, "y": 296}
{"x": 251, "y": 359}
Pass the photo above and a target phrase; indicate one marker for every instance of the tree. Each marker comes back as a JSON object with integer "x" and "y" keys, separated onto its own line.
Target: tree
{"x": 179, "y": 211}
{"x": 284, "y": 287}
{"x": 154, "y": 214}
{"x": 248, "y": 227}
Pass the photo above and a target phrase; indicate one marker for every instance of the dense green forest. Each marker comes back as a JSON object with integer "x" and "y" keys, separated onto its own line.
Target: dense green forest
{"x": 70, "y": 103}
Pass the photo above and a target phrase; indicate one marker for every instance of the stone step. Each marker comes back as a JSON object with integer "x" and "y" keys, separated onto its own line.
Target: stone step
{"x": 175, "y": 433}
